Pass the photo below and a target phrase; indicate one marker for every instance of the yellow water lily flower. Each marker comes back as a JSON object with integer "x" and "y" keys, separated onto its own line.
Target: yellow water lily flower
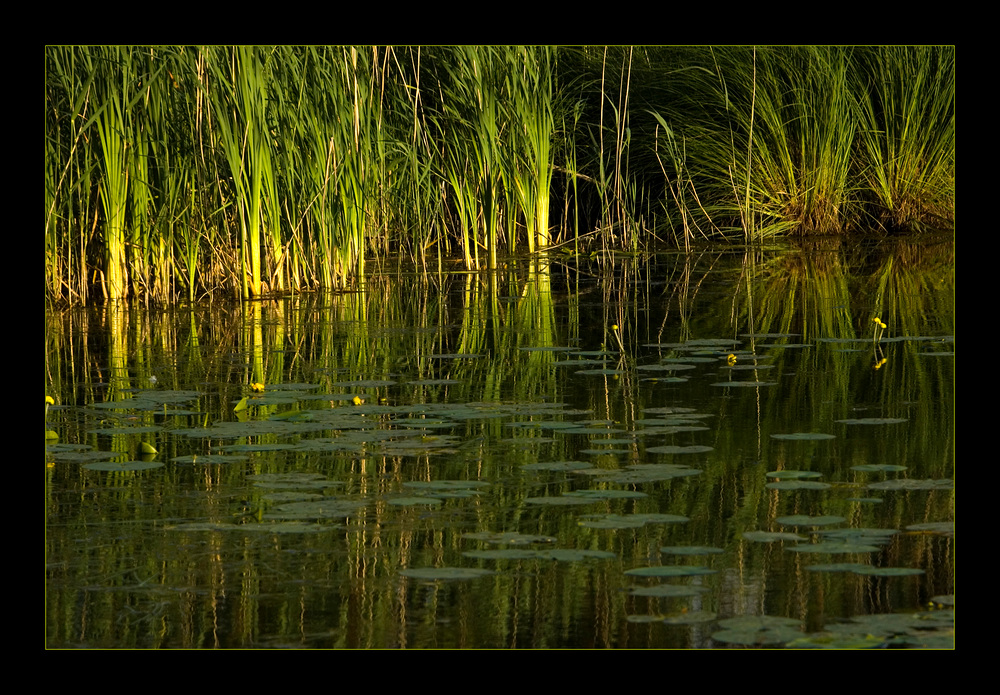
{"x": 731, "y": 359}
{"x": 49, "y": 400}
{"x": 256, "y": 387}
{"x": 356, "y": 400}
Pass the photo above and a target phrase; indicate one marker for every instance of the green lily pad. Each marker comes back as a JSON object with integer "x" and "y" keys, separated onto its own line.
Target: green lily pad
{"x": 746, "y": 384}
{"x": 873, "y": 421}
{"x": 835, "y": 548}
{"x": 623, "y": 521}
{"x": 797, "y": 485}
{"x": 691, "y": 550}
{"x": 326, "y": 508}
{"x": 445, "y": 573}
{"x": 869, "y": 536}
{"x": 690, "y": 618}
{"x": 642, "y": 473}
{"x": 692, "y": 449}
{"x": 607, "y": 494}
{"x": 512, "y": 537}
{"x": 414, "y": 501}
{"x": 557, "y": 554}
{"x": 804, "y": 436}
{"x": 669, "y": 571}
{"x": 945, "y": 527}
{"x": 793, "y": 475}
{"x": 560, "y": 501}
{"x": 879, "y": 468}
{"x": 669, "y": 590}
{"x": 122, "y": 465}
{"x": 772, "y": 536}
{"x": 889, "y": 571}
{"x": 208, "y": 458}
{"x": 836, "y": 567}
{"x": 556, "y": 466}
{"x": 908, "y": 484}
{"x": 758, "y": 630}
{"x": 806, "y": 520}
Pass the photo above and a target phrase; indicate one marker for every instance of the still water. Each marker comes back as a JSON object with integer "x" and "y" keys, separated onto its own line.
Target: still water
{"x": 718, "y": 450}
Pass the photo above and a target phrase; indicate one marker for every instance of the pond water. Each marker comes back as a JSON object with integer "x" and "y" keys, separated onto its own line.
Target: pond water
{"x": 718, "y": 450}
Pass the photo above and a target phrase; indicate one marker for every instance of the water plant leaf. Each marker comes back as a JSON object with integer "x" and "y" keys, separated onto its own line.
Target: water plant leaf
{"x": 670, "y": 571}
{"x": 772, "y": 536}
{"x": 873, "y": 421}
{"x": 793, "y": 475}
{"x": 326, "y": 508}
{"x": 804, "y": 436}
{"x": 560, "y": 501}
{"x": 836, "y": 567}
{"x": 556, "y": 466}
{"x": 512, "y": 537}
{"x": 911, "y": 484}
{"x": 445, "y": 573}
{"x": 623, "y": 521}
{"x": 664, "y": 590}
{"x": 122, "y": 465}
{"x": 690, "y": 618}
{"x": 746, "y": 384}
{"x": 945, "y": 527}
{"x": 879, "y": 468}
{"x": 691, "y": 550}
{"x": 607, "y": 494}
{"x": 557, "y": 554}
{"x": 692, "y": 449}
{"x": 834, "y": 548}
{"x": 806, "y": 520}
{"x": 798, "y": 485}
{"x": 889, "y": 571}
{"x": 292, "y": 480}
{"x": 414, "y": 501}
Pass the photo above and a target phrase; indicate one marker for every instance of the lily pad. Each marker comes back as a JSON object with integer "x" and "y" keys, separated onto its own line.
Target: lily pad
{"x": 692, "y": 449}
{"x": 512, "y": 537}
{"x": 414, "y": 501}
{"x": 556, "y": 466}
{"x": 606, "y": 494}
{"x": 326, "y": 508}
{"x": 691, "y": 550}
{"x": 664, "y": 590}
{"x": 772, "y": 536}
{"x": 835, "y": 548}
{"x": 122, "y": 465}
{"x": 623, "y": 521}
{"x": 873, "y": 421}
{"x": 806, "y": 520}
{"x": 879, "y": 468}
{"x": 797, "y": 485}
{"x": 889, "y": 571}
{"x": 804, "y": 436}
{"x": 758, "y": 630}
{"x": 690, "y": 618}
{"x": 670, "y": 571}
{"x": 445, "y": 573}
{"x": 746, "y": 384}
{"x": 910, "y": 484}
{"x": 558, "y": 554}
{"x": 793, "y": 475}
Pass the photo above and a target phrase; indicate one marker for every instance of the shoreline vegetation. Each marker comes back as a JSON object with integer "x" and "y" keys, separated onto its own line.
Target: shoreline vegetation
{"x": 174, "y": 173}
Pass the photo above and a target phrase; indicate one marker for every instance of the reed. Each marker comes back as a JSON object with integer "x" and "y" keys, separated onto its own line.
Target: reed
{"x": 186, "y": 171}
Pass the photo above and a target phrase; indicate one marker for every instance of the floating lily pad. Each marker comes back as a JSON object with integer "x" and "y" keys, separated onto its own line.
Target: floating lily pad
{"x": 414, "y": 501}
{"x": 622, "y": 521}
{"x": 806, "y": 520}
{"x": 873, "y": 421}
{"x": 138, "y": 429}
{"x": 209, "y": 458}
{"x": 445, "y": 573}
{"x": 691, "y": 550}
{"x": 772, "y": 536}
{"x": 512, "y": 537}
{"x": 909, "y": 484}
{"x": 692, "y": 449}
{"x": 326, "y": 508}
{"x": 295, "y": 481}
{"x": 556, "y": 466}
{"x": 668, "y": 590}
{"x": 804, "y": 436}
{"x": 642, "y": 473}
{"x": 670, "y": 571}
{"x": 758, "y": 630}
{"x": 869, "y": 536}
{"x": 746, "y": 384}
{"x": 690, "y": 618}
{"x": 889, "y": 571}
{"x": 606, "y": 494}
{"x": 797, "y": 485}
{"x": 945, "y": 527}
{"x": 836, "y": 567}
{"x": 879, "y": 468}
{"x": 835, "y": 548}
{"x": 560, "y": 501}
{"x": 122, "y": 465}
{"x": 793, "y": 475}
{"x": 558, "y": 554}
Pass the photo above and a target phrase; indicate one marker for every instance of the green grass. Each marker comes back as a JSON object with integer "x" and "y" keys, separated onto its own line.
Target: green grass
{"x": 182, "y": 172}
